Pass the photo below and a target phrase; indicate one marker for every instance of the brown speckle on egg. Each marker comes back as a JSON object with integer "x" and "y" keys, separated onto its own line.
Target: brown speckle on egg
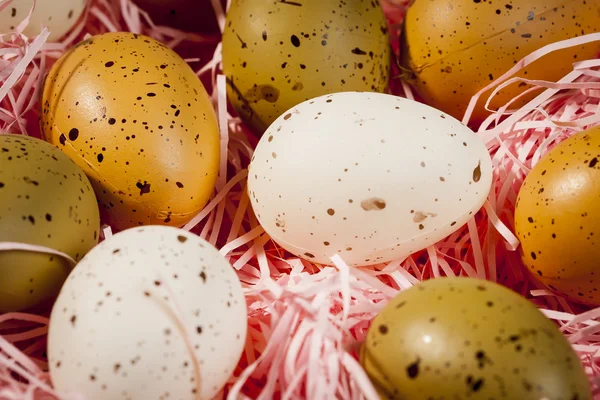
{"x": 373, "y": 204}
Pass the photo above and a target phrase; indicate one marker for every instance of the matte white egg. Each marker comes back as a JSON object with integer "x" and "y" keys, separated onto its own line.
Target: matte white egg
{"x": 58, "y": 15}
{"x": 151, "y": 313}
{"x": 369, "y": 176}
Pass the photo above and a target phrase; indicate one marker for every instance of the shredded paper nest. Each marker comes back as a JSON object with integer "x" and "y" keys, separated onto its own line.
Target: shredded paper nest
{"x": 306, "y": 322}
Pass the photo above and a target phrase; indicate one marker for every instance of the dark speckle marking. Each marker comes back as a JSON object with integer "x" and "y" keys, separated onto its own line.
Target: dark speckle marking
{"x": 31, "y": 181}
{"x": 182, "y": 238}
{"x": 73, "y": 319}
{"x": 144, "y": 187}
{"x": 413, "y": 369}
{"x": 593, "y": 162}
{"x": 383, "y": 329}
{"x": 295, "y": 41}
{"x": 179, "y": 185}
{"x": 109, "y": 64}
{"x": 73, "y": 134}
{"x": 203, "y": 276}
{"x": 374, "y": 203}
{"x": 358, "y": 51}
{"x": 477, "y": 173}
{"x": 62, "y": 139}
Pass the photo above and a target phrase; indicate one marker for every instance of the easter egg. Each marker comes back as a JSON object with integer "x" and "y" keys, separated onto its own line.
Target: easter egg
{"x": 59, "y": 16}
{"x": 187, "y": 15}
{"x": 475, "y": 42}
{"x": 557, "y": 218}
{"x": 45, "y": 200}
{"x": 151, "y": 313}
{"x": 458, "y": 338}
{"x": 369, "y": 176}
{"x": 137, "y": 119}
{"x": 279, "y": 54}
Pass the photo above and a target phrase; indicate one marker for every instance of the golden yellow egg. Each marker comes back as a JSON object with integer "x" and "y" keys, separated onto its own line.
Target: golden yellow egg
{"x": 137, "y": 119}
{"x": 464, "y": 338}
{"x": 277, "y": 54}
{"x": 451, "y": 49}
{"x": 557, "y": 218}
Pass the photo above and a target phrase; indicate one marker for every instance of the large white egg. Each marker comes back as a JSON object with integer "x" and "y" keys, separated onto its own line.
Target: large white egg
{"x": 369, "y": 176}
{"x": 151, "y": 313}
{"x": 58, "y": 15}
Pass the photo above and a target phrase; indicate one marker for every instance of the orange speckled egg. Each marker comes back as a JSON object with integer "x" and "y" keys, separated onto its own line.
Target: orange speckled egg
{"x": 451, "y": 49}
{"x": 277, "y": 54}
{"x": 557, "y": 218}
{"x": 137, "y": 119}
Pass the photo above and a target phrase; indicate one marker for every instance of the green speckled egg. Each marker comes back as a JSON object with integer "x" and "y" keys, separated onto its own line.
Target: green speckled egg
{"x": 277, "y": 54}
{"x": 463, "y": 338}
{"x": 45, "y": 200}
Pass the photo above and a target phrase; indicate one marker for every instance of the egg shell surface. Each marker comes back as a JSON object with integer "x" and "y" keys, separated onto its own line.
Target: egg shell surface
{"x": 279, "y": 54}
{"x": 138, "y": 310}
{"x": 557, "y": 218}
{"x": 137, "y": 119}
{"x": 458, "y": 338}
{"x": 369, "y": 176}
{"x": 475, "y": 42}
{"x": 187, "y": 15}
{"x": 59, "y": 16}
{"x": 45, "y": 200}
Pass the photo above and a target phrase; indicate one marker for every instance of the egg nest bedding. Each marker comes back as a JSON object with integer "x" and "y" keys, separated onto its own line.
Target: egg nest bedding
{"x": 306, "y": 321}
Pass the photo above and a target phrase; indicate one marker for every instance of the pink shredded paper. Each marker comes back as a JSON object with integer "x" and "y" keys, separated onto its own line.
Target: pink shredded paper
{"x": 306, "y": 322}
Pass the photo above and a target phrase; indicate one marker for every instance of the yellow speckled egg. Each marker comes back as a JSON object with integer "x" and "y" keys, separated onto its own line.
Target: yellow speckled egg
{"x": 277, "y": 54}
{"x": 137, "y": 119}
{"x": 45, "y": 200}
{"x": 451, "y": 49}
{"x": 464, "y": 338}
{"x": 557, "y": 218}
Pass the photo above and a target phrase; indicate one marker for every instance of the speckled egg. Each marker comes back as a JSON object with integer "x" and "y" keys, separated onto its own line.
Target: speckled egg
{"x": 151, "y": 313}
{"x": 188, "y": 15}
{"x": 137, "y": 119}
{"x": 45, "y": 200}
{"x": 475, "y": 42}
{"x": 277, "y": 54}
{"x": 463, "y": 338}
{"x": 59, "y": 16}
{"x": 557, "y": 218}
{"x": 369, "y": 176}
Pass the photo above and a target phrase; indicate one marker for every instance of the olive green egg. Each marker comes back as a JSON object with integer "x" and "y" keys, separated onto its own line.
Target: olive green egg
{"x": 464, "y": 338}
{"x": 45, "y": 200}
{"x": 277, "y": 54}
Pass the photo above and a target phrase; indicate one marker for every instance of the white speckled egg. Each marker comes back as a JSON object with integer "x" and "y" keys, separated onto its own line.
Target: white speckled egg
{"x": 58, "y": 15}
{"x": 151, "y": 313}
{"x": 372, "y": 177}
